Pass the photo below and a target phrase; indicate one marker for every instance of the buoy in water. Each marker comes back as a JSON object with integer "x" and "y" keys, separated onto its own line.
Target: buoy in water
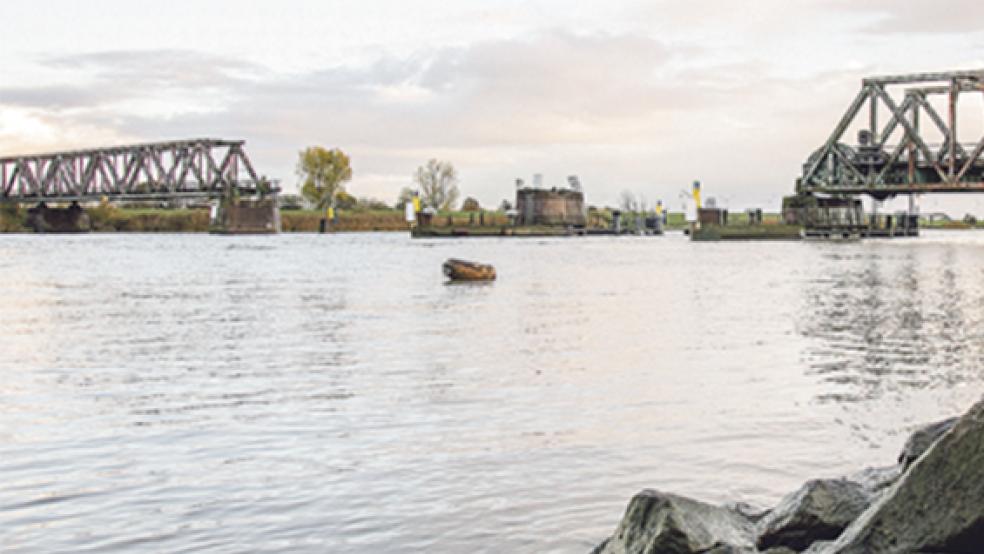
{"x": 461, "y": 270}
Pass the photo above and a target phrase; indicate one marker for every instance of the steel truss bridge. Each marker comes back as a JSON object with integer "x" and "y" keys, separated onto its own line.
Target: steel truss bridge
{"x": 896, "y": 158}
{"x": 197, "y": 168}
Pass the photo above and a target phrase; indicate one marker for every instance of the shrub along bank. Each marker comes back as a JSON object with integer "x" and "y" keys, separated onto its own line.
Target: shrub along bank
{"x": 107, "y": 218}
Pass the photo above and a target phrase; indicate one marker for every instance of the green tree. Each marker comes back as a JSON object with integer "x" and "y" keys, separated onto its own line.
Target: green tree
{"x": 323, "y": 173}
{"x": 438, "y": 183}
{"x": 345, "y": 201}
{"x": 470, "y": 205}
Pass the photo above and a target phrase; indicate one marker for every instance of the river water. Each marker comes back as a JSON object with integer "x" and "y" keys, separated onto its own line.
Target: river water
{"x": 174, "y": 393}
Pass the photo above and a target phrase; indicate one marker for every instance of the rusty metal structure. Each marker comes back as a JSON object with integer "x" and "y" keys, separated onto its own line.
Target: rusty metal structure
{"x": 197, "y": 168}
{"x": 896, "y": 158}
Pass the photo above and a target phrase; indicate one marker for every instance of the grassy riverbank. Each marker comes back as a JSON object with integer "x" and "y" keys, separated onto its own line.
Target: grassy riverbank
{"x": 747, "y": 232}
{"x": 951, "y": 225}
{"x": 107, "y": 218}
{"x": 110, "y": 219}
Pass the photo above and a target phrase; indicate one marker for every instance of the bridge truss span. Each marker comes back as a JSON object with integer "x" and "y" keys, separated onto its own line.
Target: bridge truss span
{"x": 896, "y": 157}
{"x": 196, "y": 168}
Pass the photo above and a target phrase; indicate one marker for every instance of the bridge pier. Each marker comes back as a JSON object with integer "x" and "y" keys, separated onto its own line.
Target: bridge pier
{"x": 246, "y": 216}
{"x": 844, "y": 217}
{"x": 72, "y": 219}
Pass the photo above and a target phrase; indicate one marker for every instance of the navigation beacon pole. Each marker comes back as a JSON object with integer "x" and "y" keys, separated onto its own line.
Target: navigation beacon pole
{"x": 696, "y": 194}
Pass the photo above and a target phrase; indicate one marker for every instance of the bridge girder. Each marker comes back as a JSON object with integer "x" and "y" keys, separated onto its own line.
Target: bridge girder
{"x": 912, "y": 165}
{"x": 195, "y": 168}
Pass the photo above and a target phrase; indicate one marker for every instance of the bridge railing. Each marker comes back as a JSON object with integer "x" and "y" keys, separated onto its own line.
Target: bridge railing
{"x": 194, "y": 168}
{"x": 873, "y": 165}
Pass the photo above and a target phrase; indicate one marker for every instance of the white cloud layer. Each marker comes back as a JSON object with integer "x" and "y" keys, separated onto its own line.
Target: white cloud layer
{"x": 636, "y": 95}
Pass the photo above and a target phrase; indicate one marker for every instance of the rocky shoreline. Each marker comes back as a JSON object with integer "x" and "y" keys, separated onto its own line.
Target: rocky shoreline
{"x": 930, "y": 501}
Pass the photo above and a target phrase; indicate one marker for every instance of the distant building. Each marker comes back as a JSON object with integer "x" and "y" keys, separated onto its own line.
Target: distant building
{"x": 539, "y": 206}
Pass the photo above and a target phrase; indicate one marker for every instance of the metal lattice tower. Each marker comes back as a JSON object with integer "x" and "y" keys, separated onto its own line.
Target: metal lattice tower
{"x": 875, "y": 166}
{"x": 197, "y": 168}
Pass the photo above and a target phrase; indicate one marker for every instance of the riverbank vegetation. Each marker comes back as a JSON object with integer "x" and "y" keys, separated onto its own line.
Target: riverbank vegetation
{"x": 13, "y": 218}
{"x": 359, "y": 215}
{"x": 111, "y": 219}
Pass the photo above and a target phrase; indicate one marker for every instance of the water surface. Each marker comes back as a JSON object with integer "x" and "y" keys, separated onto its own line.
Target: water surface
{"x": 331, "y": 394}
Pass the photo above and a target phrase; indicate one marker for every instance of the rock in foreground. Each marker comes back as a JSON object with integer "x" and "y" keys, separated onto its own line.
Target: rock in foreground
{"x": 922, "y": 438}
{"x": 937, "y": 505}
{"x": 660, "y": 523}
{"x": 932, "y": 501}
{"x": 820, "y": 510}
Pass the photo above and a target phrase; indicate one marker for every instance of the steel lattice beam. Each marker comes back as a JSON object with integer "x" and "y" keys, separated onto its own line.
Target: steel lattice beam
{"x": 198, "y": 168}
{"x": 912, "y": 165}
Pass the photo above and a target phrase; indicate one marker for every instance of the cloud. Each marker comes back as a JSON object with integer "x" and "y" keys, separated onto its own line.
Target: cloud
{"x": 916, "y": 16}
{"x": 553, "y": 88}
{"x": 29, "y": 130}
{"x": 124, "y": 83}
{"x": 621, "y": 109}
{"x": 164, "y": 68}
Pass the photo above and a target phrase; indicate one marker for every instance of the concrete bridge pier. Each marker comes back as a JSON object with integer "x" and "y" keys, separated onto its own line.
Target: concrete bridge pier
{"x": 44, "y": 219}
{"x": 242, "y": 216}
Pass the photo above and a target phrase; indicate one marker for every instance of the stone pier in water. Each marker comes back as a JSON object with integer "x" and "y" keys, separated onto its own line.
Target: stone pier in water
{"x": 44, "y": 219}
{"x": 238, "y": 217}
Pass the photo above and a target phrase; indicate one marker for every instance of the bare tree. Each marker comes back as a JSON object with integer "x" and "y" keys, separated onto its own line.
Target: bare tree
{"x": 438, "y": 182}
{"x": 627, "y": 201}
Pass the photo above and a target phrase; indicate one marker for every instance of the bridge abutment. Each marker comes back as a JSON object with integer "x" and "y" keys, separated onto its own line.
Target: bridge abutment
{"x": 44, "y": 219}
{"x": 242, "y": 216}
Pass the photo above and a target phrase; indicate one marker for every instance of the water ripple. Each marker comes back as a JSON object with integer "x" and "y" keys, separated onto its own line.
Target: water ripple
{"x": 311, "y": 393}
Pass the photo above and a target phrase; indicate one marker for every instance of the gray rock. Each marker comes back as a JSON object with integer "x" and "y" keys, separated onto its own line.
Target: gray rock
{"x": 922, "y": 438}
{"x": 753, "y": 513}
{"x": 819, "y": 547}
{"x": 661, "y": 523}
{"x": 936, "y": 506}
{"x": 874, "y": 480}
{"x": 820, "y": 510}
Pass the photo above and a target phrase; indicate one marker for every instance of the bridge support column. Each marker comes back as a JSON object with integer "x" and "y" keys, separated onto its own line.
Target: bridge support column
{"x": 72, "y": 219}
{"x": 242, "y": 216}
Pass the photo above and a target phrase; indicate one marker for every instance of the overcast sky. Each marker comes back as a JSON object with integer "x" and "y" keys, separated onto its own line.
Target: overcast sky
{"x": 643, "y": 96}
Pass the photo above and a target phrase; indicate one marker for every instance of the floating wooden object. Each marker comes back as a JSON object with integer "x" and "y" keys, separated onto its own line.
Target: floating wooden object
{"x": 461, "y": 270}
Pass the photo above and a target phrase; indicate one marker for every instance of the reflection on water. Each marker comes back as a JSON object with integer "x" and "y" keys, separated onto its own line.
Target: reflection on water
{"x": 885, "y": 319}
{"x": 307, "y": 393}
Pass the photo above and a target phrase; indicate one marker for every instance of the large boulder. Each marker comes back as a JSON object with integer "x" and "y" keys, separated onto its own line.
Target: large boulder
{"x": 936, "y": 506}
{"x": 922, "y": 438}
{"x": 820, "y": 510}
{"x": 875, "y": 480}
{"x": 661, "y": 523}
